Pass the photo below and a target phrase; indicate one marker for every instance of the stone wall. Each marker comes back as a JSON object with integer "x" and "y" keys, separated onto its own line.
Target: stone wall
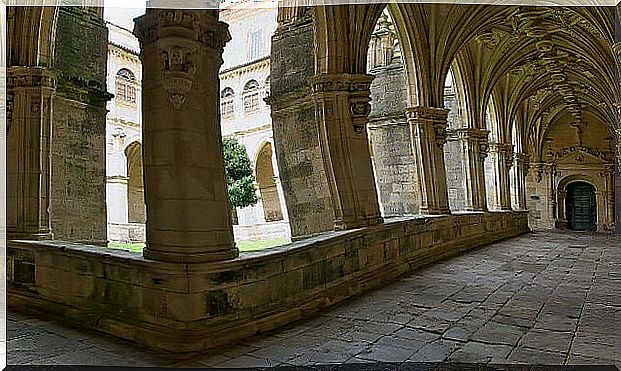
{"x": 78, "y": 190}
{"x": 296, "y": 138}
{"x": 188, "y": 308}
{"x": 391, "y": 142}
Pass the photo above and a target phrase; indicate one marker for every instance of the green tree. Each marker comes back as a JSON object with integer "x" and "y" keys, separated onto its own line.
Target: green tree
{"x": 239, "y": 178}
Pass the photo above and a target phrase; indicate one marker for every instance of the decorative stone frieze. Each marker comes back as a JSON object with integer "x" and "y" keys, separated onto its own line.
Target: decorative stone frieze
{"x": 428, "y": 128}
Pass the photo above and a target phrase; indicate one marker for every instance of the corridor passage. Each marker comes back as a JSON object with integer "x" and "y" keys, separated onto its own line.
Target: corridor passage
{"x": 543, "y": 298}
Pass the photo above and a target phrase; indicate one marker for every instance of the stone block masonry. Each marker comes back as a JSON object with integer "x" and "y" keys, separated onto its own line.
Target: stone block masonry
{"x": 78, "y": 191}
{"x": 187, "y": 308}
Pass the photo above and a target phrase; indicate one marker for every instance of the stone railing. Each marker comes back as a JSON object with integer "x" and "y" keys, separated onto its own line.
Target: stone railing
{"x": 185, "y": 308}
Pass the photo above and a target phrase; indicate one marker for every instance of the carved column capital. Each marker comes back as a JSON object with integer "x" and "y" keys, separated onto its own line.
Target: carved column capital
{"x": 430, "y": 116}
{"x": 181, "y": 38}
{"x": 29, "y": 77}
{"x": 200, "y": 26}
{"x": 355, "y": 87}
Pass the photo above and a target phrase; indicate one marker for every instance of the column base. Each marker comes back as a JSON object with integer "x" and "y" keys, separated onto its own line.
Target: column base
{"x": 342, "y": 225}
{"x": 163, "y": 253}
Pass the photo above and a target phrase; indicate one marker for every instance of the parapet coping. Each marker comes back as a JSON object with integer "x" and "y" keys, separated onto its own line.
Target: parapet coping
{"x": 244, "y": 259}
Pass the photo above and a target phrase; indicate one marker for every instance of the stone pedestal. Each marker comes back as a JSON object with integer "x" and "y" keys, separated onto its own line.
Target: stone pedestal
{"x": 501, "y": 155}
{"x": 29, "y": 129}
{"x": 185, "y": 189}
{"x": 474, "y": 147}
{"x": 342, "y": 109}
{"x": 428, "y": 128}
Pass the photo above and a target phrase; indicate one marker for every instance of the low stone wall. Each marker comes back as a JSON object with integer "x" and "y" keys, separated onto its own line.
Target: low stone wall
{"x": 184, "y": 308}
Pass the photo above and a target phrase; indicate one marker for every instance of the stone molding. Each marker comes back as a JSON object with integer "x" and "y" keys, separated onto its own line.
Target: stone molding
{"x": 197, "y": 25}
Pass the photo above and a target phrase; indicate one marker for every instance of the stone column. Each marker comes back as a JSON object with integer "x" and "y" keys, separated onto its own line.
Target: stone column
{"x": 474, "y": 148}
{"x": 521, "y": 170}
{"x": 428, "y": 128}
{"x": 502, "y": 159}
{"x": 342, "y": 109}
{"x": 29, "y": 130}
{"x": 188, "y": 216}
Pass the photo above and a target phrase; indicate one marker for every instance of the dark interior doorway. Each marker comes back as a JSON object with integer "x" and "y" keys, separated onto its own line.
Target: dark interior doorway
{"x": 580, "y": 207}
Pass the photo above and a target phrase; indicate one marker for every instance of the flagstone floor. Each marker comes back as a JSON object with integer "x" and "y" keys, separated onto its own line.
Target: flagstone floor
{"x": 543, "y": 298}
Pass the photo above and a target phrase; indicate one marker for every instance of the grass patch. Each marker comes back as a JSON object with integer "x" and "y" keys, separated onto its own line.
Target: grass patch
{"x": 248, "y": 246}
{"x": 133, "y": 247}
{"x": 243, "y": 246}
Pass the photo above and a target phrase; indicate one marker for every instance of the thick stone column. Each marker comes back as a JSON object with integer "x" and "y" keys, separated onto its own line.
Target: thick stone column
{"x": 474, "y": 148}
{"x": 185, "y": 189}
{"x": 502, "y": 159}
{"x": 428, "y": 128}
{"x": 520, "y": 172}
{"x": 342, "y": 109}
{"x": 29, "y": 130}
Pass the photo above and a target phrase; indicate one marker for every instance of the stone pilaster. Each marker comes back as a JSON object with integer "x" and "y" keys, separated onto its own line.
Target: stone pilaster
{"x": 474, "y": 148}
{"x": 29, "y": 125}
{"x": 502, "y": 159}
{"x": 296, "y": 137}
{"x": 520, "y": 171}
{"x": 188, "y": 216}
{"x": 342, "y": 109}
{"x": 428, "y": 128}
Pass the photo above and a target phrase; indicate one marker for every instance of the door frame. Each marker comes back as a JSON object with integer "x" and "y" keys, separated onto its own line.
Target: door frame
{"x": 566, "y": 200}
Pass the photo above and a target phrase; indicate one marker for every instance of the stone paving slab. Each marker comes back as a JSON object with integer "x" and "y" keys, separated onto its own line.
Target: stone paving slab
{"x": 543, "y": 298}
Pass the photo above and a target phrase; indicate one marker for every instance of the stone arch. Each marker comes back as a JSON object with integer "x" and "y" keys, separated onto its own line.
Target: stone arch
{"x": 136, "y": 208}
{"x": 31, "y": 35}
{"x": 264, "y": 170}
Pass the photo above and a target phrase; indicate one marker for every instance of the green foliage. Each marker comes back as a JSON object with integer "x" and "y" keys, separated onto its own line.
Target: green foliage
{"x": 239, "y": 178}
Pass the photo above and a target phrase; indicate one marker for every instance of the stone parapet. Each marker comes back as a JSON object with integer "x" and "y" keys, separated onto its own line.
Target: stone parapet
{"x": 187, "y": 308}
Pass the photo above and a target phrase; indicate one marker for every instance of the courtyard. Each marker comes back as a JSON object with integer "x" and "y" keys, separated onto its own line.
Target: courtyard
{"x": 542, "y": 298}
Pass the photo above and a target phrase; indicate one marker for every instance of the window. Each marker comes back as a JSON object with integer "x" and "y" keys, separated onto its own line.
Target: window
{"x": 125, "y": 86}
{"x": 251, "y": 97}
{"x": 227, "y": 103}
{"x": 256, "y": 44}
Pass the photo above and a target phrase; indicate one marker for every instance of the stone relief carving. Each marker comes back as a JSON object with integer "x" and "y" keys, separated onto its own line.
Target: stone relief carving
{"x": 177, "y": 73}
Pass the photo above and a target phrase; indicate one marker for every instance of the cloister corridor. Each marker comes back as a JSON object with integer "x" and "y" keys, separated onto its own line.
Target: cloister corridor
{"x": 542, "y": 298}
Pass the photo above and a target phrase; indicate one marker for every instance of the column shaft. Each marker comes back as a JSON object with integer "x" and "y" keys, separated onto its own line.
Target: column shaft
{"x": 188, "y": 216}
{"x": 342, "y": 107}
{"x": 428, "y": 128}
{"x": 502, "y": 160}
{"x": 28, "y": 152}
{"x": 474, "y": 151}
{"x": 521, "y": 170}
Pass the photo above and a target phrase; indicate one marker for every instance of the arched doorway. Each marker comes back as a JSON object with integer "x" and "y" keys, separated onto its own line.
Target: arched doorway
{"x": 580, "y": 207}
{"x": 136, "y": 209}
{"x": 267, "y": 185}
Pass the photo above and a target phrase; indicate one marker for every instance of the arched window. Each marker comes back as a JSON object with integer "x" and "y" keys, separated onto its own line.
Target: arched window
{"x": 227, "y": 103}
{"x": 126, "y": 86}
{"x": 251, "y": 97}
